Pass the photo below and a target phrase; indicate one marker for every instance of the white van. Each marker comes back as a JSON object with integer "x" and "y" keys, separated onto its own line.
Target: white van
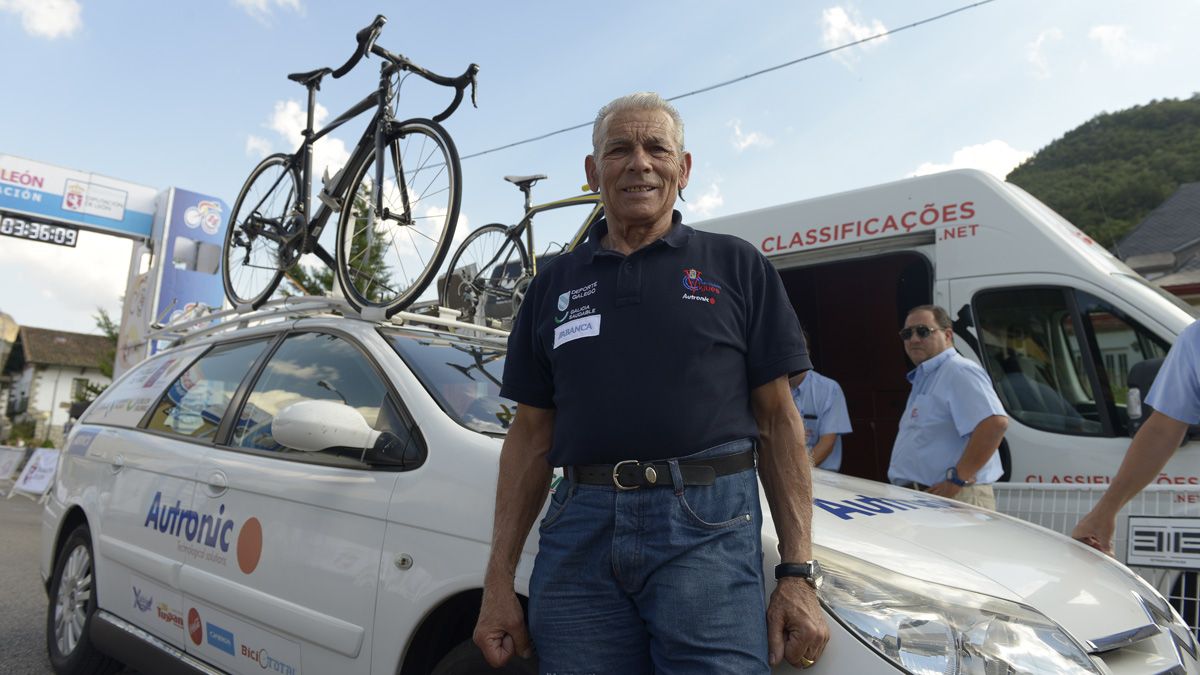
{"x": 1055, "y": 319}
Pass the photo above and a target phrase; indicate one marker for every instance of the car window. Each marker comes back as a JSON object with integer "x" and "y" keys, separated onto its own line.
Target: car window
{"x": 128, "y": 400}
{"x": 1122, "y": 343}
{"x": 1033, "y": 356}
{"x": 463, "y": 377}
{"x": 196, "y": 401}
{"x": 317, "y": 366}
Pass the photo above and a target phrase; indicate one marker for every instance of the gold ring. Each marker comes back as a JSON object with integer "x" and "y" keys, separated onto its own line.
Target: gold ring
{"x": 806, "y": 663}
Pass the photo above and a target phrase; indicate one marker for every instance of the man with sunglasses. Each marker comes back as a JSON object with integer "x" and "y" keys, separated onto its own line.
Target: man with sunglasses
{"x": 953, "y": 421}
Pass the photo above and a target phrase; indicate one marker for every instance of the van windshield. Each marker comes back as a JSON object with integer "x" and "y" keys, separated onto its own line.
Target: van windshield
{"x": 463, "y": 377}
{"x": 1137, "y": 280}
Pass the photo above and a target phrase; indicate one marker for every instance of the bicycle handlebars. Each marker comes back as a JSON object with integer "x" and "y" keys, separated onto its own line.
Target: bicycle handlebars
{"x": 366, "y": 39}
{"x": 367, "y": 45}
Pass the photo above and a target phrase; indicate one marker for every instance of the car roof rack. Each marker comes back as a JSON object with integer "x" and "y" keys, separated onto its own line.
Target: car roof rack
{"x": 207, "y": 323}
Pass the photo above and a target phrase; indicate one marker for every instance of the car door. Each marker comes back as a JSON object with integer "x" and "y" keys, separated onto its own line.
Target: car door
{"x": 147, "y": 527}
{"x": 298, "y": 592}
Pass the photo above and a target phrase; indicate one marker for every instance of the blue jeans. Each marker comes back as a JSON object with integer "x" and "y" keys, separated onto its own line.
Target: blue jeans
{"x": 654, "y": 580}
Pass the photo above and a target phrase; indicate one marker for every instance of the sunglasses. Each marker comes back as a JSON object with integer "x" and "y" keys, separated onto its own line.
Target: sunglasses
{"x": 920, "y": 331}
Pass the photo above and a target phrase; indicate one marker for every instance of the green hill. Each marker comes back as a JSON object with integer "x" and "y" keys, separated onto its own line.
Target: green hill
{"x": 1108, "y": 173}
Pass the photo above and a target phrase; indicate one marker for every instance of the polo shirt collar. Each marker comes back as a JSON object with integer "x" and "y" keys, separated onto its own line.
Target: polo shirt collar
{"x": 676, "y": 237}
{"x": 929, "y": 365}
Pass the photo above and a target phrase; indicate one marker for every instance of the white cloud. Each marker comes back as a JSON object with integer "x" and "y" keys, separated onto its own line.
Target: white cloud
{"x": 257, "y": 146}
{"x": 1036, "y": 55}
{"x": 71, "y": 282}
{"x": 709, "y": 201}
{"x": 1116, "y": 43}
{"x": 995, "y": 157}
{"x": 46, "y": 18}
{"x": 329, "y": 153}
{"x": 840, "y": 26}
{"x": 742, "y": 140}
{"x": 263, "y": 10}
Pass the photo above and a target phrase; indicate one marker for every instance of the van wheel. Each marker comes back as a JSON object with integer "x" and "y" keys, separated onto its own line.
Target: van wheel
{"x": 72, "y": 604}
{"x": 466, "y": 659}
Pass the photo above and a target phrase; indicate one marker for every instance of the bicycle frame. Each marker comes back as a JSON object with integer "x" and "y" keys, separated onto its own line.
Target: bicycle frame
{"x": 525, "y": 227}
{"x": 372, "y": 138}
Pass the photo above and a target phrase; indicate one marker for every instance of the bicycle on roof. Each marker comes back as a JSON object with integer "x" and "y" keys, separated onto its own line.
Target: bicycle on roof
{"x": 489, "y": 273}
{"x": 398, "y": 197}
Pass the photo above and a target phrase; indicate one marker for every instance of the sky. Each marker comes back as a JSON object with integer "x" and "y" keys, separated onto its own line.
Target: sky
{"x": 193, "y": 94}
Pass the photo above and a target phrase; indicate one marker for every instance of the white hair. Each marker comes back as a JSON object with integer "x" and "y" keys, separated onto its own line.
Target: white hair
{"x": 645, "y": 100}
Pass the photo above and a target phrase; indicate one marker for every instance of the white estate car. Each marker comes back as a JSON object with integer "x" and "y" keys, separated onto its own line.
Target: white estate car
{"x": 313, "y": 494}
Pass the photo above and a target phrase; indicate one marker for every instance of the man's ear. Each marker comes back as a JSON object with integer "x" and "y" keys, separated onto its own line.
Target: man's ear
{"x": 593, "y": 173}
{"x": 685, "y": 170}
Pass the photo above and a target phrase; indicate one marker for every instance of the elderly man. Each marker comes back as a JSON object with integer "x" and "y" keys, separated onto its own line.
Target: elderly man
{"x": 953, "y": 421}
{"x": 651, "y": 362}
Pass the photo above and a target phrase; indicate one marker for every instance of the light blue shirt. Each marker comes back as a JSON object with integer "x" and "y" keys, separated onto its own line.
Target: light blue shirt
{"x": 950, "y": 396}
{"x": 823, "y": 407}
{"x": 1176, "y": 390}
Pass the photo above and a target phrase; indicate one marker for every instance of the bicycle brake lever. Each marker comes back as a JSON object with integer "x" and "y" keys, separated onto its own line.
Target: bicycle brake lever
{"x": 474, "y": 84}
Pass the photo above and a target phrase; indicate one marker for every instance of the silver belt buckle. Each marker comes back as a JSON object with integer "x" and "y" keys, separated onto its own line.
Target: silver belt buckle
{"x": 616, "y": 475}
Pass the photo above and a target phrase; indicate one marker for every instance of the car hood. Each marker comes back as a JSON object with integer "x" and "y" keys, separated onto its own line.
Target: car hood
{"x": 950, "y": 543}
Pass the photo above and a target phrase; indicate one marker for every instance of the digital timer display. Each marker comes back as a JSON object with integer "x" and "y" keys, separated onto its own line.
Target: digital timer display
{"x": 62, "y": 235}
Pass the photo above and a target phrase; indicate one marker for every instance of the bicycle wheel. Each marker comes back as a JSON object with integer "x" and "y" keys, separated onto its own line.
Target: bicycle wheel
{"x": 254, "y": 252}
{"x": 484, "y": 273}
{"x": 390, "y": 264}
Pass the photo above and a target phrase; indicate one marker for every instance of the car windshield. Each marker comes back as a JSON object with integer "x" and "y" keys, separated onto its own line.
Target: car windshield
{"x": 463, "y": 377}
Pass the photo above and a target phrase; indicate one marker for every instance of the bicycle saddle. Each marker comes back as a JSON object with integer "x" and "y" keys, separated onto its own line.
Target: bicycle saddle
{"x": 312, "y": 78}
{"x": 525, "y": 181}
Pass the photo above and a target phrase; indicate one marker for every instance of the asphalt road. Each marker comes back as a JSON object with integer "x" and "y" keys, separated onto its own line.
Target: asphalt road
{"x": 22, "y": 597}
{"x": 23, "y": 600}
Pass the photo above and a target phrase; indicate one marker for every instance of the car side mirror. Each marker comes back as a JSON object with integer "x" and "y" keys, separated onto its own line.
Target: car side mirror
{"x": 313, "y": 426}
{"x": 1141, "y": 377}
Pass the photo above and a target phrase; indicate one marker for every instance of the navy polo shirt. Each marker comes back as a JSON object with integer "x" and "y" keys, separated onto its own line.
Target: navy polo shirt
{"x": 651, "y": 355}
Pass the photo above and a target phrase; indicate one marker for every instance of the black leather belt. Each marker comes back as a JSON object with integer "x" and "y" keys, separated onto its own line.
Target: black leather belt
{"x": 632, "y": 474}
{"x": 912, "y": 485}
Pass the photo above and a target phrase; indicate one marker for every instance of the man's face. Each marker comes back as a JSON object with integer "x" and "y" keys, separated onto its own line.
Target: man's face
{"x": 639, "y": 169}
{"x": 921, "y": 349}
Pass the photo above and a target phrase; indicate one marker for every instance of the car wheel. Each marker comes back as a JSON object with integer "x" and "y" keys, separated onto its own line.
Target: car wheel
{"x": 72, "y": 604}
{"x": 466, "y": 659}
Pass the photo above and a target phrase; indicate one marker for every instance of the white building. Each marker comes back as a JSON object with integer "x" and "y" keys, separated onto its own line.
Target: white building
{"x": 46, "y": 371}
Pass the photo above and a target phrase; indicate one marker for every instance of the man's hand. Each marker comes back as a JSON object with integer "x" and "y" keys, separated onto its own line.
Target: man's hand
{"x": 500, "y": 631}
{"x": 796, "y": 627}
{"x": 944, "y": 489}
{"x": 1096, "y": 530}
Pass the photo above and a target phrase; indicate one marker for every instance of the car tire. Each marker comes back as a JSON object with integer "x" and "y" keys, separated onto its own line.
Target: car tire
{"x": 72, "y": 606}
{"x": 466, "y": 659}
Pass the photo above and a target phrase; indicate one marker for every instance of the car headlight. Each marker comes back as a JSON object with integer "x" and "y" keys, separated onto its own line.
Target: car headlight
{"x": 928, "y": 628}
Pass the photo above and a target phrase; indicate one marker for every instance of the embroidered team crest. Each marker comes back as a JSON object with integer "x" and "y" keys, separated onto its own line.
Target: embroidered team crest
{"x": 698, "y": 288}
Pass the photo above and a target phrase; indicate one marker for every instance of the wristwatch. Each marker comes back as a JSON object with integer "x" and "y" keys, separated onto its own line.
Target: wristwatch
{"x": 952, "y": 476}
{"x": 809, "y": 571}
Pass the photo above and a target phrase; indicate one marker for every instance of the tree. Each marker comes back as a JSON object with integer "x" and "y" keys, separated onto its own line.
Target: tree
{"x": 1110, "y": 172}
{"x": 107, "y": 360}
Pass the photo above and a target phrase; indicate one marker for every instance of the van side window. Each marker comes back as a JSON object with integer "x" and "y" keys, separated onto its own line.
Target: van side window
{"x": 1033, "y": 355}
{"x": 319, "y": 366}
{"x": 1121, "y": 343}
{"x": 195, "y": 402}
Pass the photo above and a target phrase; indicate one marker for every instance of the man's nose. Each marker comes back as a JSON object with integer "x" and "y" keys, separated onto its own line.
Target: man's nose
{"x": 639, "y": 160}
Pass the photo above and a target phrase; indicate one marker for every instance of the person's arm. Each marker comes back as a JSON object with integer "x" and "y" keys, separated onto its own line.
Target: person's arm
{"x": 982, "y": 444}
{"x": 521, "y": 489}
{"x": 796, "y": 627}
{"x": 821, "y": 450}
{"x": 1152, "y": 446}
